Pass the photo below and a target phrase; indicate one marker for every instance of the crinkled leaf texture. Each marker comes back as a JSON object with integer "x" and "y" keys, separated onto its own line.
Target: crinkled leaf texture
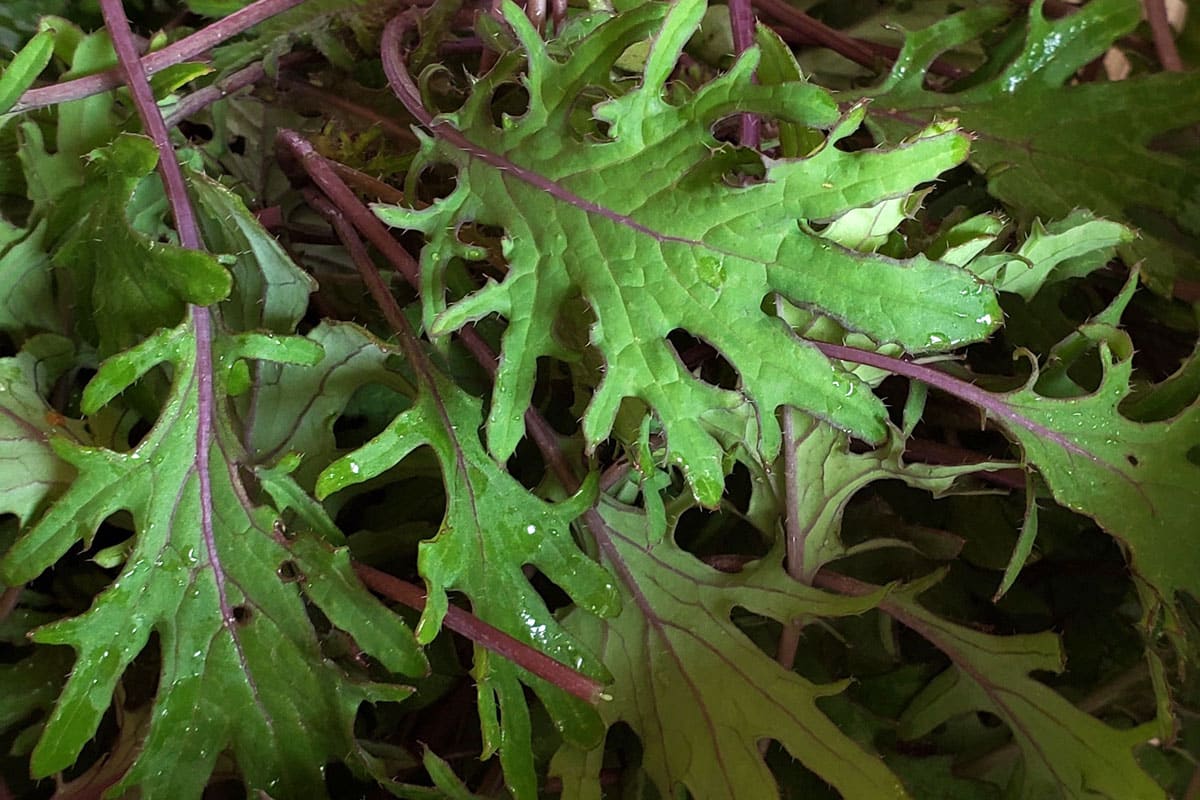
{"x": 699, "y": 693}
{"x": 647, "y": 226}
{"x": 1049, "y": 145}
{"x": 492, "y": 528}
{"x": 1067, "y": 752}
{"x": 241, "y": 665}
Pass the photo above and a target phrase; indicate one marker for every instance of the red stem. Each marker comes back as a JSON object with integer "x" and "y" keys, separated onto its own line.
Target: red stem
{"x": 186, "y": 48}
{"x": 8, "y": 600}
{"x": 481, "y": 633}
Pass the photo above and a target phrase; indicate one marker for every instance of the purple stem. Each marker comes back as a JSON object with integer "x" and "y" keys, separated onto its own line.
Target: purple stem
{"x": 741, "y": 18}
{"x": 822, "y": 34}
{"x": 202, "y": 98}
{"x": 189, "y": 236}
{"x": 399, "y": 132}
{"x": 343, "y": 221}
{"x": 479, "y": 632}
{"x": 1164, "y": 37}
{"x": 992, "y": 403}
{"x": 8, "y": 600}
{"x": 186, "y": 48}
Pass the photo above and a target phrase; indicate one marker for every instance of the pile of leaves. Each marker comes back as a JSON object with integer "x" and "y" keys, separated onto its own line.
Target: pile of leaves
{"x": 465, "y": 400}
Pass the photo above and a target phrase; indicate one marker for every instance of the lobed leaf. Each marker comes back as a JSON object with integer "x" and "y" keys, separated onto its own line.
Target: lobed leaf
{"x": 241, "y": 666}
{"x": 1067, "y": 752}
{"x": 293, "y": 409}
{"x": 493, "y": 527}
{"x": 133, "y": 285}
{"x": 1136, "y": 479}
{"x": 828, "y": 475}
{"x": 649, "y": 222}
{"x": 1049, "y": 146}
{"x": 697, "y": 691}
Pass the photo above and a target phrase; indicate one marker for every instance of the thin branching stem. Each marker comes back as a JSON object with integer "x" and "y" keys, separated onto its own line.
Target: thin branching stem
{"x": 185, "y": 49}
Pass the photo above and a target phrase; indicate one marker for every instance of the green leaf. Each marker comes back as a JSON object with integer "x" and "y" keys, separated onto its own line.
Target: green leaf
{"x": 215, "y": 8}
{"x": 644, "y": 225}
{"x": 1068, "y": 248}
{"x": 493, "y": 527}
{"x": 24, "y": 69}
{"x": 319, "y": 22}
{"x": 212, "y": 576}
{"x": 445, "y": 779}
{"x": 1067, "y": 752}
{"x": 697, "y": 691}
{"x": 1024, "y": 545}
{"x": 1137, "y": 480}
{"x": 828, "y": 475}
{"x": 306, "y": 402}
{"x": 30, "y": 469}
{"x": 132, "y": 285}
{"x": 269, "y": 291}
{"x": 1048, "y": 145}
{"x": 28, "y": 304}
{"x": 31, "y": 685}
